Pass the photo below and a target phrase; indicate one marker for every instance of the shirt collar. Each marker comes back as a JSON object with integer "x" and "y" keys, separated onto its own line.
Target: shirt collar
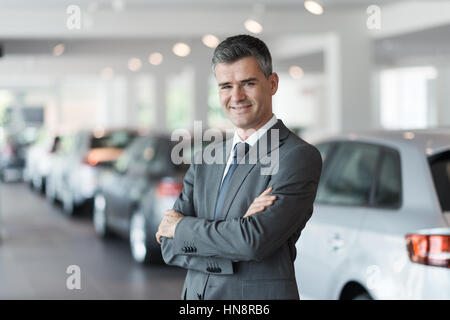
{"x": 254, "y": 137}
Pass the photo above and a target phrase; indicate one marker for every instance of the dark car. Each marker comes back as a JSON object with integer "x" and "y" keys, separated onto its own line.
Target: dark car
{"x": 74, "y": 176}
{"x": 134, "y": 194}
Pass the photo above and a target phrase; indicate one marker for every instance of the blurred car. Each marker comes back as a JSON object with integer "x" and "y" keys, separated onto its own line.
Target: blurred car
{"x": 39, "y": 159}
{"x": 380, "y": 227}
{"x": 54, "y": 180}
{"x": 12, "y": 158}
{"x": 74, "y": 176}
{"x": 135, "y": 193}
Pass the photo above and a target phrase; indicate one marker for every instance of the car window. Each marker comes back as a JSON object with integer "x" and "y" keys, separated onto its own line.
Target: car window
{"x": 162, "y": 163}
{"x": 67, "y": 144}
{"x": 56, "y": 145}
{"x": 388, "y": 189}
{"x": 324, "y": 149}
{"x": 350, "y": 176}
{"x": 145, "y": 156}
{"x": 77, "y": 144}
{"x": 440, "y": 169}
{"x": 130, "y": 155}
{"x": 113, "y": 140}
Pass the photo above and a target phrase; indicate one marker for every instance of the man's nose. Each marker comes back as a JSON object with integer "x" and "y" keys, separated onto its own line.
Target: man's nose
{"x": 237, "y": 94}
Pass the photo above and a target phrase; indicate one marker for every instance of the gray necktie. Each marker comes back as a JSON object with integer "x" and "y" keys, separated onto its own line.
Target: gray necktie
{"x": 240, "y": 150}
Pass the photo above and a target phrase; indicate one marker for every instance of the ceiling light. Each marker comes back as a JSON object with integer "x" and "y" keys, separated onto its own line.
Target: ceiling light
{"x": 134, "y": 64}
{"x": 58, "y": 50}
{"x": 254, "y": 22}
{"x": 314, "y": 7}
{"x": 210, "y": 41}
{"x": 99, "y": 132}
{"x": 181, "y": 49}
{"x": 296, "y": 72}
{"x": 155, "y": 58}
{"x": 253, "y": 26}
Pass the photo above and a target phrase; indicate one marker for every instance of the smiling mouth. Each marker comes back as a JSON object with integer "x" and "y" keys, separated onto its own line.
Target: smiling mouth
{"x": 239, "y": 108}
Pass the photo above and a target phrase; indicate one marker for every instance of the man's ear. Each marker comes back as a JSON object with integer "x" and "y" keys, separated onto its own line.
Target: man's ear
{"x": 273, "y": 79}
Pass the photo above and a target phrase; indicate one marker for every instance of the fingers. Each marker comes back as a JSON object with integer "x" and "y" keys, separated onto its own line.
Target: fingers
{"x": 264, "y": 203}
{"x": 171, "y": 213}
{"x": 261, "y": 202}
{"x": 264, "y": 199}
{"x": 267, "y": 191}
{"x": 253, "y": 210}
{"x": 265, "y": 195}
{"x": 256, "y": 208}
{"x": 158, "y": 237}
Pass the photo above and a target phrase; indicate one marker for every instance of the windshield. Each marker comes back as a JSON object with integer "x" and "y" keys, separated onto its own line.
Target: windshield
{"x": 440, "y": 170}
{"x": 113, "y": 140}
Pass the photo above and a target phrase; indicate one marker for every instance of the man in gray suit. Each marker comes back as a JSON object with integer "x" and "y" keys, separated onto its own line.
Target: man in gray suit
{"x": 234, "y": 227}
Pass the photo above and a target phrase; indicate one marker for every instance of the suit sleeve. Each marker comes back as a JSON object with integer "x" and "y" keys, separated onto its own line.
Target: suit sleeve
{"x": 260, "y": 235}
{"x": 185, "y": 206}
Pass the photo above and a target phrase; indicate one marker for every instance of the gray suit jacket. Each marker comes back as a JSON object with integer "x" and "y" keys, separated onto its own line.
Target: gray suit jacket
{"x": 251, "y": 258}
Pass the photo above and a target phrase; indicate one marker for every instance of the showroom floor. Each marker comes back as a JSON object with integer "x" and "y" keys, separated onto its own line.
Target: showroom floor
{"x": 38, "y": 243}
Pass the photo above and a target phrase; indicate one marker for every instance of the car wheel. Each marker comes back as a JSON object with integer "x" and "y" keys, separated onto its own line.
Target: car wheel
{"x": 43, "y": 185}
{"x": 139, "y": 239}
{"x": 99, "y": 216}
{"x": 363, "y": 296}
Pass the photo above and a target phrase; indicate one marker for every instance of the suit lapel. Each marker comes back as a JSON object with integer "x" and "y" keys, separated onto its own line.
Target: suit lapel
{"x": 247, "y": 165}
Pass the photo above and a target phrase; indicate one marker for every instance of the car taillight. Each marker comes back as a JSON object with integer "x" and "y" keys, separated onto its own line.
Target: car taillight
{"x": 91, "y": 160}
{"x": 169, "y": 188}
{"x": 102, "y": 156}
{"x": 432, "y": 250}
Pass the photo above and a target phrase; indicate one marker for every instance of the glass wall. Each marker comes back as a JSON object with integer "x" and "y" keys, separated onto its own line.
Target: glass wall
{"x": 405, "y": 97}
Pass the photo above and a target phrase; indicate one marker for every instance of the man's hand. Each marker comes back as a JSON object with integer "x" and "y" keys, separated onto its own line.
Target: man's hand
{"x": 261, "y": 202}
{"x": 168, "y": 224}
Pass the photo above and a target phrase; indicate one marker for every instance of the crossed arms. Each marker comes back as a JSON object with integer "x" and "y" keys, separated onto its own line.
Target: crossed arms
{"x": 268, "y": 223}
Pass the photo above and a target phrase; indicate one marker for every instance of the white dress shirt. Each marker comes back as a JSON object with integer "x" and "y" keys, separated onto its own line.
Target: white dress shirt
{"x": 251, "y": 140}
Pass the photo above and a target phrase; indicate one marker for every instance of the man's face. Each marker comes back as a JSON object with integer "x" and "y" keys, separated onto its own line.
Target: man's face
{"x": 245, "y": 93}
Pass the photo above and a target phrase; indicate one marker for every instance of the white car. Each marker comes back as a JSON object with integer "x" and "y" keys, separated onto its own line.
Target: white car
{"x": 39, "y": 160}
{"x": 381, "y": 222}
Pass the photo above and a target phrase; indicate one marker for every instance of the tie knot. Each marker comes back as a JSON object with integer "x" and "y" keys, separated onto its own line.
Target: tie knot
{"x": 240, "y": 150}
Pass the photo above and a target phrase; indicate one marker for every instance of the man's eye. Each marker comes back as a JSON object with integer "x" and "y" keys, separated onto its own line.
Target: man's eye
{"x": 251, "y": 84}
{"x": 225, "y": 87}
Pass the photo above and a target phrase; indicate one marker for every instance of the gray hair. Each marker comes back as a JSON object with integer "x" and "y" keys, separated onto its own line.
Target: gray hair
{"x": 237, "y": 47}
